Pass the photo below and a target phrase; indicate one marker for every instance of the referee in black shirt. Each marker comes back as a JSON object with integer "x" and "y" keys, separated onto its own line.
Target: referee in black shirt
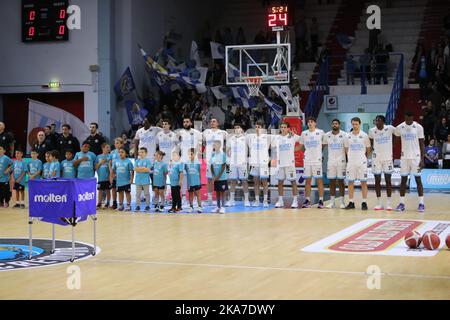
{"x": 95, "y": 139}
{"x": 67, "y": 141}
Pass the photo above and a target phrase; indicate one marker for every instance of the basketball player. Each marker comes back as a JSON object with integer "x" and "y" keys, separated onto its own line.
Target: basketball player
{"x": 336, "y": 162}
{"x": 413, "y": 147}
{"x": 381, "y": 140}
{"x": 189, "y": 138}
{"x": 209, "y": 136}
{"x": 357, "y": 147}
{"x": 286, "y": 148}
{"x": 146, "y": 138}
{"x": 311, "y": 140}
{"x": 237, "y": 152}
{"x": 259, "y": 144}
{"x": 166, "y": 140}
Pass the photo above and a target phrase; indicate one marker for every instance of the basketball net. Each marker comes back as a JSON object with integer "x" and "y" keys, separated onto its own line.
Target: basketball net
{"x": 253, "y": 85}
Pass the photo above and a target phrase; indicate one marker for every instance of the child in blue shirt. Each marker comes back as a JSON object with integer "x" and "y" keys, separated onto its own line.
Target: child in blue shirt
{"x": 34, "y": 166}
{"x": 5, "y": 172}
{"x": 84, "y": 162}
{"x": 159, "y": 180}
{"x": 46, "y": 166}
{"x": 122, "y": 170}
{"x": 192, "y": 168}
{"x": 102, "y": 168}
{"x": 176, "y": 181}
{"x": 55, "y": 168}
{"x": 118, "y": 144}
{"x": 142, "y": 168}
{"x": 67, "y": 167}
{"x": 219, "y": 175}
{"x": 19, "y": 173}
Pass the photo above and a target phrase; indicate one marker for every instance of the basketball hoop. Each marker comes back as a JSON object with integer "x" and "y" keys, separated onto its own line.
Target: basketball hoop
{"x": 253, "y": 85}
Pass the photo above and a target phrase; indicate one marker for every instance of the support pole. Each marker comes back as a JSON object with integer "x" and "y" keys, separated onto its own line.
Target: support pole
{"x": 94, "y": 218}
{"x": 73, "y": 244}
{"x": 53, "y": 238}
{"x": 30, "y": 233}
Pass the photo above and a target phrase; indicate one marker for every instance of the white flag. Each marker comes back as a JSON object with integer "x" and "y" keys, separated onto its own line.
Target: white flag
{"x": 41, "y": 115}
{"x": 194, "y": 54}
{"x": 217, "y": 50}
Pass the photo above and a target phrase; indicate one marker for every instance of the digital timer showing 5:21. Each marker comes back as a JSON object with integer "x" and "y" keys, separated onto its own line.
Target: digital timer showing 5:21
{"x": 277, "y": 16}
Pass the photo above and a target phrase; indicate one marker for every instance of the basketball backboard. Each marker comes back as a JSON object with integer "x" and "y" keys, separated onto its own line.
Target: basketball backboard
{"x": 271, "y": 62}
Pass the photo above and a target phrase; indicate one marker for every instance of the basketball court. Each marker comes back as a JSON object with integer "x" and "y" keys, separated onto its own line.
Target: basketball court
{"x": 240, "y": 255}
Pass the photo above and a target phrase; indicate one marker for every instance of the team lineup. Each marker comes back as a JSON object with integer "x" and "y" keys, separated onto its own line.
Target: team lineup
{"x": 165, "y": 157}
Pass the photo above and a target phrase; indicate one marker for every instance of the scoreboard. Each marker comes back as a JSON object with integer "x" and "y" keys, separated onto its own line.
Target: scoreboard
{"x": 277, "y": 18}
{"x": 44, "y": 20}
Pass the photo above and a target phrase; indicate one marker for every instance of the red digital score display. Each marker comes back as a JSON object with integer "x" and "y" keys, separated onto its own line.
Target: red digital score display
{"x": 277, "y": 17}
{"x": 44, "y": 20}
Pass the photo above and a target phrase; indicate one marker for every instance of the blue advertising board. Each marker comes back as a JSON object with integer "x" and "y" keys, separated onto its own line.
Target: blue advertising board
{"x": 57, "y": 200}
{"x": 438, "y": 179}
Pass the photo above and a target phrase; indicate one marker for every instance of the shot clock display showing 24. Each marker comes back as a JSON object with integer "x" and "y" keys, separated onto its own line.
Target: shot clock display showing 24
{"x": 44, "y": 20}
{"x": 277, "y": 18}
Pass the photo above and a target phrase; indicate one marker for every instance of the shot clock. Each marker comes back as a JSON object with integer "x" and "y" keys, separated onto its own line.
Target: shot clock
{"x": 44, "y": 20}
{"x": 277, "y": 18}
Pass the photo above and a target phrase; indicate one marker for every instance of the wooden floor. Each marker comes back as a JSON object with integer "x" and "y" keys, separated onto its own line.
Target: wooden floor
{"x": 233, "y": 256}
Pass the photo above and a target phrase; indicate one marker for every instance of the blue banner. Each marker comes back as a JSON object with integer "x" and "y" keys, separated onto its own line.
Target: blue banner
{"x": 438, "y": 179}
{"x": 55, "y": 201}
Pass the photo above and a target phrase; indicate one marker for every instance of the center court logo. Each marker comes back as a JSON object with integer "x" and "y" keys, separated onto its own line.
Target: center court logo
{"x": 14, "y": 253}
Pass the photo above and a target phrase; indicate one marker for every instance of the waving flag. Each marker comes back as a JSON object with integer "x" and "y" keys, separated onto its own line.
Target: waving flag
{"x": 221, "y": 92}
{"x": 273, "y": 106}
{"x": 241, "y": 96}
{"x": 194, "y": 54}
{"x": 192, "y": 77}
{"x": 135, "y": 113}
{"x": 217, "y": 50}
{"x": 152, "y": 64}
{"x": 125, "y": 85}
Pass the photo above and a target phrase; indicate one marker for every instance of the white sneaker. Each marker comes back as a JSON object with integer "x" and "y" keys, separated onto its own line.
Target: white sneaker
{"x": 190, "y": 210}
{"x": 378, "y": 207}
{"x": 331, "y": 205}
{"x": 216, "y": 210}
{"x": 279, "y": 204}
{"x": 199, "y": 209}
{"x": 265, "y": 204}
{"x": 294, "y": 204}
{"x": 222, "y": 210}
{"x": 388, "y": 208}
{"x": 247, "y": 204}
{"x": 255, "y": 204}
{"x": 230, "y": 203}
{"x": 342, "y": 205}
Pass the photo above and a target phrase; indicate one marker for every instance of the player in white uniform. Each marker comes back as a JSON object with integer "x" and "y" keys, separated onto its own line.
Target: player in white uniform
{"x": 381, "y": 140}
{"x": 413, "y": 150}
{"x": 209, "y": 136}
{"x": 311, "y": 140}
{"x": 189, "y": 138}
{"x": 357, "y": 147}
{"x": 259, "y": 144}
{"x": 286, "y": 147}
{"x": 237, "y": 154}
{"x": 146, "y": 138}
{"x": 336, "y": 164}
{"x": 167, "y": 140}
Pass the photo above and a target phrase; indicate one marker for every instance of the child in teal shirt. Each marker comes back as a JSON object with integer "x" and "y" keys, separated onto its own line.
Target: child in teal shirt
{"x": 102, "y": 168}
{"x": 192, "y": 168}
{"x": 142, "y": 168}
{"x": 5, "y": 172}
{"x": 176, "y": 181}
{"x": 122, "y": 170}
{"x": 19, "y": 173}
{"x": 46, "y": 166}
{"x": 159, "y": 180}
{"x": 67, "y": 167}
{"x": 55, "y": 168}
{"x": 34, "y": 166}
{"x": 84, "y": 162}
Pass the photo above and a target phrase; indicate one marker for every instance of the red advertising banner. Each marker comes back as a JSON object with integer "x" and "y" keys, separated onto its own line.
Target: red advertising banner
{"x": 296, "y": 127}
